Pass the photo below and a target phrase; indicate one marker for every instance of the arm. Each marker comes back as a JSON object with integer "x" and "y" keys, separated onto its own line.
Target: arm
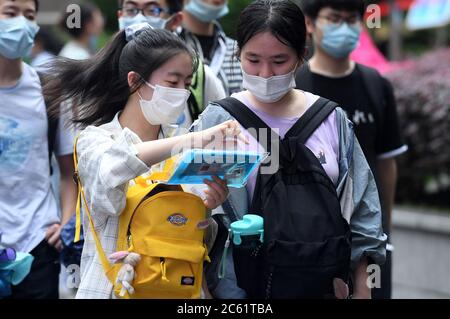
{"x": 68, "y": 188}
{"x": 361, "y": 290}
{"x": 390, "y": 144}
{"x": 154, "y": 152}
{"x": 368, "y": 239}
{"x": 106, "y": 165}
{"x": 68, "y": 192}
{"x": 361, "y": 208}
{"x": 387, "y": 180}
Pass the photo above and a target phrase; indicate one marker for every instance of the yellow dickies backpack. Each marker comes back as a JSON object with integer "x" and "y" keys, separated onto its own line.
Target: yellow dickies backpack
{"x": 165, "y": 226}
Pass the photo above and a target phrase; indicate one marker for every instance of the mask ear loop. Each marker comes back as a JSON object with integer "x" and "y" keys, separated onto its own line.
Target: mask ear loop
{"x": 146, "y": 83}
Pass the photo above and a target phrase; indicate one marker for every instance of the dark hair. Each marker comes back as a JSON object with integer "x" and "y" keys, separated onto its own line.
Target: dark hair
{"x": 173, "y": 5}
{"x": 282, "y": 18}
{"x": 36, "y": 2}
{"x": 98, "y": 87}
{"x": 49, "y": 39}
{"x": 312, "y": 7}
{"x": 87, "y": 10}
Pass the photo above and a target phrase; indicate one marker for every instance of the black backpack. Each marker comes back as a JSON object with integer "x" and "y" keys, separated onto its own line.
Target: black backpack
{"x": 307, "y": 242}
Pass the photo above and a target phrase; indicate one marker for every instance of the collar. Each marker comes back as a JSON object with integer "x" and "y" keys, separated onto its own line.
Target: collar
{"x": 191, "y": 38}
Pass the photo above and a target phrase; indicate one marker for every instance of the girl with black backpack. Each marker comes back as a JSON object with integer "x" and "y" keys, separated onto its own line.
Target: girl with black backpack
{"x": 317, "y": 195}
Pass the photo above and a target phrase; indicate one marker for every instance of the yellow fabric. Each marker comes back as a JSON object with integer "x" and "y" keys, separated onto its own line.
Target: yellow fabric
{"x": 160, "y": 223}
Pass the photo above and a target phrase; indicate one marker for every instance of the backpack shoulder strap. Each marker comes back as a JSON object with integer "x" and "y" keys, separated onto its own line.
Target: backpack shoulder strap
{"x": 109, "y": 270}
{"x": 312, "y": 119}
{"x": 241, "y": 113}
{"x": 247, "y": 118}
{"x": 374, "y": 85}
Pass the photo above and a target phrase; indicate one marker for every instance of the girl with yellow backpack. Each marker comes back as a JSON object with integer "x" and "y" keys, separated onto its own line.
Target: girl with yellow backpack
{"x": 124, "y": 95}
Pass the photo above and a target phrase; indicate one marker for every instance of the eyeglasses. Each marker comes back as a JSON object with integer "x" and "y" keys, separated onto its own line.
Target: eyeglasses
{"x": 149, "y": 11}
{"x": 339, "y": 20}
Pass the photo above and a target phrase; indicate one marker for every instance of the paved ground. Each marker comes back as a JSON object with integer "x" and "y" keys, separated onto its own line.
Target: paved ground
{"x": 421, "y": 264}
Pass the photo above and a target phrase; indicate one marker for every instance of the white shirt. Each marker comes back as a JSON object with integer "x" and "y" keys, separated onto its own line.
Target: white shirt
{"x": 27, "y": 205}
{"x": 41, "y": 60}
{"x": 74, "y": 51}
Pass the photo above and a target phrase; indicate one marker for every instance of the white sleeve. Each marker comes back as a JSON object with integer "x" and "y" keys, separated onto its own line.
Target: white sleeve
{"x": 214, "y": 90}
{"x": 65, "y": 133}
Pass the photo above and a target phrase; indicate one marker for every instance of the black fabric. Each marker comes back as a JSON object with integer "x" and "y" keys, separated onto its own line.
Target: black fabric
{"x": 43, "y": 280}
{"x": 193, "y": 107}
{"x": 215, "y": 254}
{"x": 368, "y": 99}
{"x": 207, "y": 44}
{"x": 307, "y": 242}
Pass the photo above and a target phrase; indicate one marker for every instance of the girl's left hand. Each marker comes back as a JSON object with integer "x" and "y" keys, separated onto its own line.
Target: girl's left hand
{"x": 216, "y": 194}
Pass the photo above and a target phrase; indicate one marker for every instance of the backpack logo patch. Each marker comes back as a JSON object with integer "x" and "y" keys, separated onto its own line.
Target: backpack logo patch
{"x": 187, "y": 281}
{"x": 177, "y": 219}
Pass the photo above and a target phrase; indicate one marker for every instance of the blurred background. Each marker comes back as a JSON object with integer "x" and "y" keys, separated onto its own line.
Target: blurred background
{"x": 410, "y": 46}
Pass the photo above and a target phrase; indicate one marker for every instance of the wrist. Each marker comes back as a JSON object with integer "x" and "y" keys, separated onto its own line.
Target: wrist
{"x": 197, "y": 140}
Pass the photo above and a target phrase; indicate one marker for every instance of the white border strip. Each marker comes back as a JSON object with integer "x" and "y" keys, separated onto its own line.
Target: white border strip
{"x": 393, "y": 153}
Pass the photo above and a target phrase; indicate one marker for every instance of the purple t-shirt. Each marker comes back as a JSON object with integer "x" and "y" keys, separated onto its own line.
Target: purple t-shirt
{"x": 324, "y": 142}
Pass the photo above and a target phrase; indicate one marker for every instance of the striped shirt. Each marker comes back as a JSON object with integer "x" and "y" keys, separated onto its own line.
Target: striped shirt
{"x": 225, "y": 64}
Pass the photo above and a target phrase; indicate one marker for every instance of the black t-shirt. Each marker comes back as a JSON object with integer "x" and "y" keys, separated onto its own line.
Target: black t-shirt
{"x": 207, "y": 43}
{"x": 376, "y": 136}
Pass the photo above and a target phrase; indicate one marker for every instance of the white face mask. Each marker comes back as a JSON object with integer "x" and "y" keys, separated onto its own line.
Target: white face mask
{"x": 166, "y": 105}
{"x": 269, "y": 90}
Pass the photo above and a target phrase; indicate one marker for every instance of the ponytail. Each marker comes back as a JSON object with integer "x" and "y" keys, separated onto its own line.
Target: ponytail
{"x": 98, "y": 87}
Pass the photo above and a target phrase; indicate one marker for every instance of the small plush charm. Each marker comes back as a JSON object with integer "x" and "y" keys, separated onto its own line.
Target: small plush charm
{"x": 126, "y": 273}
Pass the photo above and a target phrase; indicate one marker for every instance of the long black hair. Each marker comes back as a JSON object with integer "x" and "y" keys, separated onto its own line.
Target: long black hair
{"x": 282, "y": 18}
{"x": 312, "y": 7}
{"x": 98, "y": 87}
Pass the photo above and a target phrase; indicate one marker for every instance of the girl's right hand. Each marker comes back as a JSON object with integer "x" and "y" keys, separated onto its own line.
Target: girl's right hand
{"x": 218, "y": 135}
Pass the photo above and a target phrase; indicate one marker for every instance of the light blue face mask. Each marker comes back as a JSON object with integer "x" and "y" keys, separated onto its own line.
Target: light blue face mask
{"x": 206, "y": 12}
{"x": 340, "y": 41}
{"x": 155, "y": 22}
{"x": 17, "y": 37}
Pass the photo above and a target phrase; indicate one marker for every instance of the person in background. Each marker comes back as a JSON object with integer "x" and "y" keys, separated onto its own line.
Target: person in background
{"x": 29, "y": 218}
{"x": 166, "y": 14}
{"x": 365, "y": 95}
{"x": 47, "y": 45}
{"x": 84, "y": 39}
{"x": 203, "y": 32}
